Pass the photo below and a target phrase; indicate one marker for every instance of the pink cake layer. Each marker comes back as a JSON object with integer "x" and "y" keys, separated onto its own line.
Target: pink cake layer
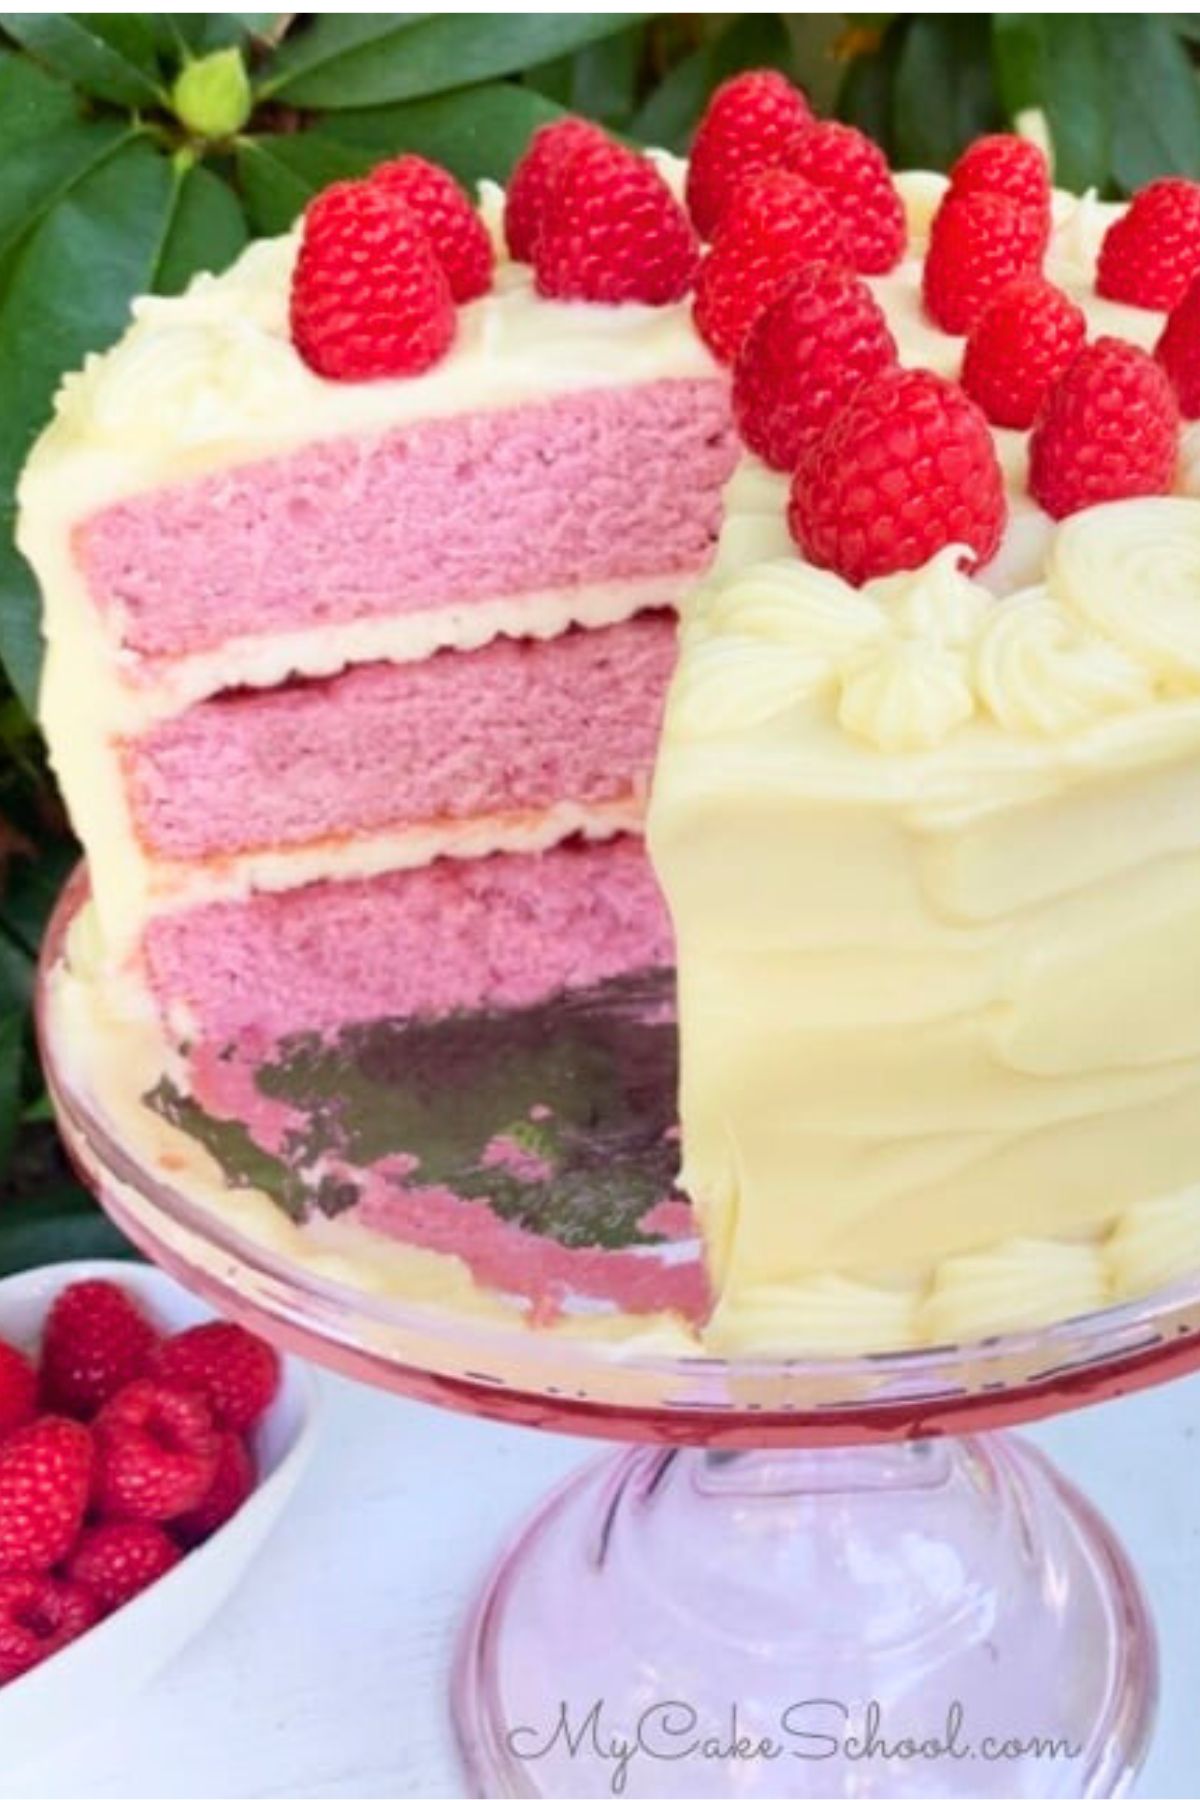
{"x": 510, "y": 729}
{"x": 605, "y": 486}
{"x": 499, "y": 931}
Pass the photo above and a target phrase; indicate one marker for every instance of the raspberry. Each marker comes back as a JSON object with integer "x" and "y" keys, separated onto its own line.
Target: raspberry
{"x": 157, "y": 1452}
{"x": 456, "y": 231}
{"x": 1017, "y": 349}
{"x": 529, "y": 188}
{"x": 613, "y": 231}
{"x": 45, "y": 1476}
{"x": 802, "y": 359}
{"x": 96, "y": 1340}
{"x": 18, "y": 1388}
{"x": 907, "y": 467}
{"x": 1151, "y": 253}
{"x": 776, "y": 224}
{"x": 749, "y": 125}
{"x": 978, "y": 243}
{"x": 232, "y": 1486}
{"x": 1005, "y": 164}
{"x": 369, "y": 296}
{"x": 853, "y": 174}
{"x": 39, "y": 1615}
{"x": 1178, "y": 350}
{"x": 1108, "y": 431}
{"x": 116, "y": 1561}
{"x": 236, "y": 1372}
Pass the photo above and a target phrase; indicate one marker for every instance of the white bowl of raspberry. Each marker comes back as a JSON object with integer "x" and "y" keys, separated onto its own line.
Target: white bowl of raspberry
{"x": 143, "y": 1463}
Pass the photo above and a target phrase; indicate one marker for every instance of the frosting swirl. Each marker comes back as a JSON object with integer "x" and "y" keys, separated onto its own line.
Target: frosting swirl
{"x": 732, "y": 683}
{"x": 938, "y": 602}
{"x": 905, "y": 694}
{"x": 1132, "y": 569}
{"x": 788, "y": 602}
{"x": 1038, "y": 670}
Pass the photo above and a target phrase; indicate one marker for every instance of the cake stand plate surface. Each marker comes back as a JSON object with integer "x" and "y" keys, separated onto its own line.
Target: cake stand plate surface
{"x": 809, "y": 1577}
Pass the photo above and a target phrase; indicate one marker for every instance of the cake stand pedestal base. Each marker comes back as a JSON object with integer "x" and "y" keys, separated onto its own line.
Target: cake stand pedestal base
{"x": 945, "y": 1616}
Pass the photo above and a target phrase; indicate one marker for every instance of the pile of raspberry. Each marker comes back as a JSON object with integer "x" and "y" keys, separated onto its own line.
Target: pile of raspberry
{"x": 120, "y": 1451}
{"x": 890, "y": 465}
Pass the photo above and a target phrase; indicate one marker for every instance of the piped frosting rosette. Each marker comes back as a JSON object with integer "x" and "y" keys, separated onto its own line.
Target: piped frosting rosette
{"x": 906, "y": 662}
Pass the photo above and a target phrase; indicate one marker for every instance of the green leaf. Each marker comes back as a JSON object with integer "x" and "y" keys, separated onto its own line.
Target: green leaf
{"x": 20, "y": 617}
{"x": 44, "y": 145}
{"x": 1156, "y": 100}
{"x": 59, "y": 1224}
{"x": 279, "y": 175}
{"x": 599, "y": 81}
{"x": 69, "y": 293}
{"x": 131, "y": 35}
{"x": 1059, "y": 62}
{"x": 480, "y": 132}
{"x": 12, "y": 1059}
{"x": 945, "y": 94}
{"x": 71, "y": 45}
{"x": 866, "y": 97}
{"x": 32, "y": 885}
{"x": 206, "y": 231}
{"x": 371, "y": 60}
{"x": 16, "y": 978}
{"x": 215, "y": 31}
{"x": 668, "y": 116}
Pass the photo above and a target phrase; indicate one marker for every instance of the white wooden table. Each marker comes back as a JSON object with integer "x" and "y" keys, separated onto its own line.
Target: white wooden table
{"x": 327, "y": 1673}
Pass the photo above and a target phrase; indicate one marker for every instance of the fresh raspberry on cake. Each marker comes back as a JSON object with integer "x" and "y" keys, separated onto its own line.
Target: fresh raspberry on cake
{"x": 456, "y": 231}
{"x": 230, "y": 1488}
{"x": 529, "y": 189}
{"x": 1109, "y": 431}
{"x": 97, "y": 1339}
{"x": 40, "y": 1615}
{"x": 803, "y": 358}
{"x": 978, "y": 243}
{"x": 45, "y": 1475}
{"x": 612, "y": 231}
{"x": 369, "y": 296}
{"x": 776, "y": 225}
{"x": 157, "y": 1451}
{"x": 749, "y": 125}
{"x": 853, "y": 174}
{"x": 1178, "y": 350}
{"x": 1003, "y": 163}
{"x": 18, "y": 1388}
{"x": 237, "y": 1373}
{"x": 906, "y": 468}
{"x": 116, "y": 1560}
{"x": 1017, "y": 349}
{"x": 1151, "y": 253}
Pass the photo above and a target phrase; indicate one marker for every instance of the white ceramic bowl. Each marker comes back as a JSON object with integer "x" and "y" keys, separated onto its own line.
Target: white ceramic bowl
{"x": 88, "y": 1680}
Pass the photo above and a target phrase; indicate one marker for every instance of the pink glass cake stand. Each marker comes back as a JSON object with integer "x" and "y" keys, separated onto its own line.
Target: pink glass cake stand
{"x": 806, "y": 1577}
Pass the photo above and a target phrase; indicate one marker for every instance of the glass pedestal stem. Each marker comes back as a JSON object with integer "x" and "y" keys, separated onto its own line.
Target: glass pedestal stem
{"x": 943, "y": 1616}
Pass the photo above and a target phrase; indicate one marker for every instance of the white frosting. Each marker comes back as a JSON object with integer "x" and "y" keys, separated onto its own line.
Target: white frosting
{"x": 1038, "y": 669}
{"x": 903, "y": 694}
{"x": 1150, "y": 549}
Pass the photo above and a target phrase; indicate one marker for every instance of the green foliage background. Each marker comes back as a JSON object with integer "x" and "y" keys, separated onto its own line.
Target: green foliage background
{"x": 107, "y": 190}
